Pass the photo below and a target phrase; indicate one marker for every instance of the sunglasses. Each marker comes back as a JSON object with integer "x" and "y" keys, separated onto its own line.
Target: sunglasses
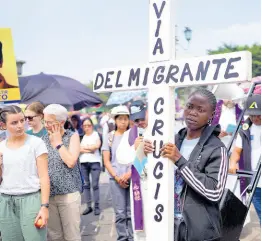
{"x": 30, "y": 118}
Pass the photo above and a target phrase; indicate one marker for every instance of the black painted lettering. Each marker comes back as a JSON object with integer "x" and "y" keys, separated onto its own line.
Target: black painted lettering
{"x": 173, "y": 70}
{"x": 218, "y": 62}
{"x": 158, "y": 78}
{"x": 161, "y": 143}
{"x": 146, "y": 77}
{"x": 230, "y": 66}
{"x": 134, "y": 76}
{"x": 157, "y": 126}
{"x": 161, "y": 100}
{"x": 159, "y": 46}
{"x": 97, "y": 85}
{"x": 159, "y": 13}
{"x": 118, "y": 85}
{"x": 157, "y": 191}
{"x": 202, "y": 70}
{"x": 158, "y": 28}
{"x": 159, "y": 210}
{"x": 160, "y": 174}
{"x": 186, "y": 71}
{"x": 107, "y": 85}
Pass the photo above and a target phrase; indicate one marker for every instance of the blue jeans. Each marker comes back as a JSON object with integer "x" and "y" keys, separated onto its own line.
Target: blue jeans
{"x": 94, "y": 169}
{"x": 121, "y": 205}
{"x": 257, "y": 202}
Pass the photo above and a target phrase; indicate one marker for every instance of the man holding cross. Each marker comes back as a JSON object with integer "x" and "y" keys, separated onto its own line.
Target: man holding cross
{"x": 132, "y": 143}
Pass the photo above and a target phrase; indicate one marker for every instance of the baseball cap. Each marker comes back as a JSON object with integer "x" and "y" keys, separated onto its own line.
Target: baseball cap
{"x": 119, "y": 110}
{"x": 253, "y": 105}
{"x": 138, "y": 110}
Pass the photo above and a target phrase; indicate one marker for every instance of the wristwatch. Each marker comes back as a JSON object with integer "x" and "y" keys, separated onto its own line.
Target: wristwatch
{"x": 45, "y": 205}
{"x": 59, "y": 146}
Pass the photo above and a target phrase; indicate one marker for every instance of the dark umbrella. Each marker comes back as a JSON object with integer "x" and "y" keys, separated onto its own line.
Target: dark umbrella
{"x": 56, "y": 89}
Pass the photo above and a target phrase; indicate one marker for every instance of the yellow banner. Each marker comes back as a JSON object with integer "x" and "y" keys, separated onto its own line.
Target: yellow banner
{"x": 9, "y": 85}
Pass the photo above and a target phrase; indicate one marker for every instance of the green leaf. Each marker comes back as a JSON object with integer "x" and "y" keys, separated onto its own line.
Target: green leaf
{"x": 255, "y": 49}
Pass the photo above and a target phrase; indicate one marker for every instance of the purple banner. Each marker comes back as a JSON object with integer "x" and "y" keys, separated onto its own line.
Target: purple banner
{"x": 133, "y": 134}
{"x": 219, "y": 110}
{"x": 137, "y": 197}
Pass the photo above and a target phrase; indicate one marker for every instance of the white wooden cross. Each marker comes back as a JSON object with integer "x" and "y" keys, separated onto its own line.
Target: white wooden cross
{"x": 160, "y": 76}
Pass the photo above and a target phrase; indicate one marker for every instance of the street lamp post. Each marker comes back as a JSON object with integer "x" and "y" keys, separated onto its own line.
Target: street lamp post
{"x": 19, "y": 66}
{"x": 188, "y": 33}
{"x": 188, "y": 37}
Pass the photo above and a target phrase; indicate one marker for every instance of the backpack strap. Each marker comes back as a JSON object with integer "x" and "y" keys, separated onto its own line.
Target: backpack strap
{"x": 111, "y": 136}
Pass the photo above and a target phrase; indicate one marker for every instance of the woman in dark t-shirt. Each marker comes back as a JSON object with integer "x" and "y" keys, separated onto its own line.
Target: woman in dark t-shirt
{"x": 34, "y": 116}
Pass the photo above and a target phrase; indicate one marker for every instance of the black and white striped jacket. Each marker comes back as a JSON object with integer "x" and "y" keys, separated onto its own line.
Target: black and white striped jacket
{"x": 205, "y": 176}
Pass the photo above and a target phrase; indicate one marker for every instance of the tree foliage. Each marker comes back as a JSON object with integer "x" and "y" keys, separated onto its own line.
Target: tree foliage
{"x": 255, "y": 49}
{"x": 104, "y": 96}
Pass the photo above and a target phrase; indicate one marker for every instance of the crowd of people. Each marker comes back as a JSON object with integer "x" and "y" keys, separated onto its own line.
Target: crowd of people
{"x": 45, "y": 169}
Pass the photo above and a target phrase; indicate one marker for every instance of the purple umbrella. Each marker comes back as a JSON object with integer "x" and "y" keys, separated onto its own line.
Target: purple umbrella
{"x": 56, "y": 89}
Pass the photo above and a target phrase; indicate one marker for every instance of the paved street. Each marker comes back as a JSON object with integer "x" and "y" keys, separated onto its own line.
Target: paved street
{"x": 252, "y": 230}
{"x": 103, "y": 229}
{"x": 100, "y": 228}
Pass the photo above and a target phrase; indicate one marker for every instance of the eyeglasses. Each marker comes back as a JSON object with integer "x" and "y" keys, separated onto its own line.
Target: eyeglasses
{"x": 30, "y": 118}
{"x": 49, "y": 123}
{"x": 87, "y": 125}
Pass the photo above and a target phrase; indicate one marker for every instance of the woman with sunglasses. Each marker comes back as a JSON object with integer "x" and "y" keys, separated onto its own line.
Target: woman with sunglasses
{"x": 34, "y": 116}
{"x": 91, "y": 164}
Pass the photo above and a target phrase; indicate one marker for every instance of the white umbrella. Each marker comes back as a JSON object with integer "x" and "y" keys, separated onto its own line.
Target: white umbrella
{"x": 121, "y": 97}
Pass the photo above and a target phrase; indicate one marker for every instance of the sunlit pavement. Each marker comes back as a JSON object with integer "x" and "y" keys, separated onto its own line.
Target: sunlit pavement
{"x": 103, "y": 229}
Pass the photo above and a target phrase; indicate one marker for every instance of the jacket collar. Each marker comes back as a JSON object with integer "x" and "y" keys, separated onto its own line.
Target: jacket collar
{"x": 207, "y": 132}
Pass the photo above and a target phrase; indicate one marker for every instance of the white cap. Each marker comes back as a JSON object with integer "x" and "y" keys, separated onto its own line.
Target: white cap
{"x": 119, "y": 110}
{"x": 228, "y": 92}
